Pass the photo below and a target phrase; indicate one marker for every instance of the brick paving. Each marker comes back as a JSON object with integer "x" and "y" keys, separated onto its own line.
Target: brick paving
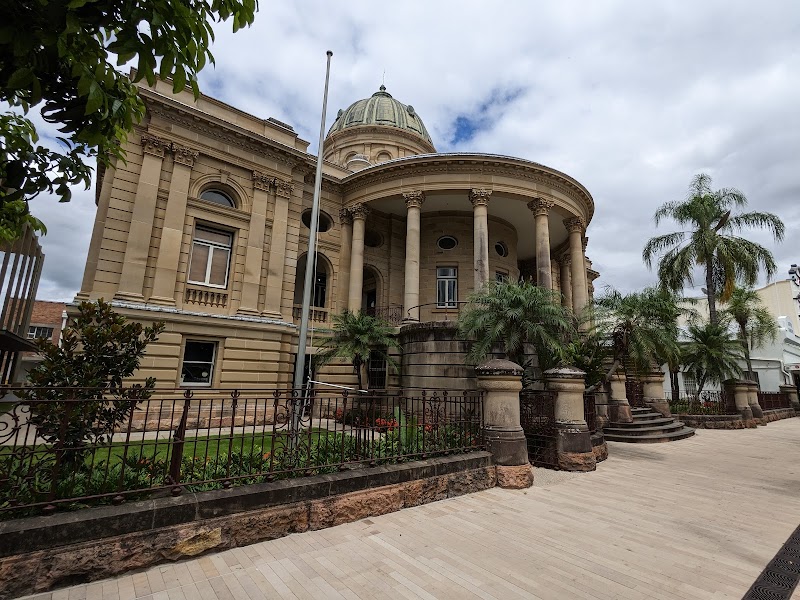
{"x": 695, "y": 519}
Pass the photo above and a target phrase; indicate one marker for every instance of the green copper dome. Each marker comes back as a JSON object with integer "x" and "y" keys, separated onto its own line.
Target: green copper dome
{"x": 380, "y": 109}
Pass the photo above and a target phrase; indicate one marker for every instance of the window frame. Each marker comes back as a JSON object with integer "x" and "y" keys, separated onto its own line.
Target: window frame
{"x": 35, "y": 328}
{"x": 215, "y": 345}
{"x": 445, "y": 279}
{"x": 209, "y": 261}
{"x": 227, "y": 195}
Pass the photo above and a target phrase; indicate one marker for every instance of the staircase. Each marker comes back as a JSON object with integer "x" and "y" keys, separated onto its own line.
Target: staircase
{"x": 648, "y": 427}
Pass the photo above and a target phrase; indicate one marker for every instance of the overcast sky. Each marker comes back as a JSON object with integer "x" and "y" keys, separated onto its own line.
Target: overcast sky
{"x": 630, "y": 98}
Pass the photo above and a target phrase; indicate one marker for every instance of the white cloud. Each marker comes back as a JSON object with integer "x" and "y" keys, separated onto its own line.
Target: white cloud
{"x": 632, "y": 99}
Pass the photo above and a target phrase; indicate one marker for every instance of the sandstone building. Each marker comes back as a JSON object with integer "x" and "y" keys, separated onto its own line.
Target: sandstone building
{"x": 205, "y": 227}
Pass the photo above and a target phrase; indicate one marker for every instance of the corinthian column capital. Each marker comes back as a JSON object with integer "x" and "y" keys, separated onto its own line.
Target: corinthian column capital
{"x": 261, "y": 181}
{"x": 414, "y": 198}
{"x": 154, "y": 145}
{"x": 575, "y": 224}
{"x": 479, "y": 196}
{"x": 345, "y": 217}
{"x": 283, "y": 188}
{"x": 184, "y": 156}
{"x": 540, "y": 207}
{"x": 360, "y": 211}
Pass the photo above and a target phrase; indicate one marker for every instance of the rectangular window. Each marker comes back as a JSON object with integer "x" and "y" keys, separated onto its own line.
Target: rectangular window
{"x": 376, "y": 371}
{"x": 501, "y": 276}
{"x": 198, "y": 363}
{"x": 36, "y": 332}
{"x": 211, "y": 257}
{"x": 446, "y": 287}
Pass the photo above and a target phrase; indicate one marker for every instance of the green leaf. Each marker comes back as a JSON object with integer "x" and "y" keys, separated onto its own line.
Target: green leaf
{"x": 95, "y": 100}
{"x": 19, "y": 78}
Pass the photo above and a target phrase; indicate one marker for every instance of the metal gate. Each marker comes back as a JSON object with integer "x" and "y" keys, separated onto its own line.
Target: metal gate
{"x": 538, "y": 420}
{"x": 634, "y": 392}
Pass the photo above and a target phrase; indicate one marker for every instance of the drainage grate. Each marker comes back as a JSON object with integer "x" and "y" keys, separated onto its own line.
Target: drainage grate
{"x": 778, "y": 580}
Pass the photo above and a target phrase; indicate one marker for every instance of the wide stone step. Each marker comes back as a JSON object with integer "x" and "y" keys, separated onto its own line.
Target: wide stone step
{"x": 639, "y": 431}
{"x": 652, "y": 438}
{"x": 648, "y": 416}
{"x": 646, "y": 422}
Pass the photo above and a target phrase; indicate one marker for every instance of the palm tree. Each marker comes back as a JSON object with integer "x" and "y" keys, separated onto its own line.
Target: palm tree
{"x": 710, "y": 354}
{"x": 709, "y": 240}
{"x": 512, "y": 314}
{"x": 354, "y": 337}
{"x": 756, "y": 324}
{"x": 641, "y": 327}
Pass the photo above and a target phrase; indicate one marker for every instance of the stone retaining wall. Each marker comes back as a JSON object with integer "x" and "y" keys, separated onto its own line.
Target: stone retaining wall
{"x": 734, "y": 421}
{"x": 40, "y": 553}
{"x": 778, "y": 414}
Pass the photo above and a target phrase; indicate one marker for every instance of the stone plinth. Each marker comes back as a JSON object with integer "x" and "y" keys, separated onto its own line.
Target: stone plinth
{"x": 791, "y": 391}
{"x": 501, "y": 382}
{"x": 752, "y": 399}
{"x": 434, "y": 356}
{"x": 573, "y": 441}
{"x": 739, "y": 391}
{"x": 619, "y": 409}
{"x": 653, "y": 391}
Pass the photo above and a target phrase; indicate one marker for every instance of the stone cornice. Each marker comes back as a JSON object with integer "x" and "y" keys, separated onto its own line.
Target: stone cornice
{"x": 328, "y": 185}
{"x": 340, "y": 137}
{"x": 470, "y": 164}
{"x": 414, "y": 199}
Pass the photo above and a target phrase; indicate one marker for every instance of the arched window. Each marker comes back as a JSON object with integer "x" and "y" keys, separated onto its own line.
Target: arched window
{"x": 217, "y": 197}
{"x": 319, "y": 293}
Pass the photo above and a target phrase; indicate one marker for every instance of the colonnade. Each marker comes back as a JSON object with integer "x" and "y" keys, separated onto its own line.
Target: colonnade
{"x": 574, "y": 282}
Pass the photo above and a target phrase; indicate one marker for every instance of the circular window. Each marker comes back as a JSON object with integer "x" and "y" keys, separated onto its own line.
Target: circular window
{"x": 325, "y": 221}
{"x": 373, "y": 239}
{"x": 217, "y": 197}
{"x": 501, "y": 249}
{"x": 447, "y": 242}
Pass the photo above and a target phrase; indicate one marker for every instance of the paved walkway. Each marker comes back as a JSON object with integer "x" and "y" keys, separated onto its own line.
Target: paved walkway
{"x": 695, "y": 519}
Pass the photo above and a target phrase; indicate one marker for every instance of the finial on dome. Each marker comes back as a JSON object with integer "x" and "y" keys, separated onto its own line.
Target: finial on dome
{"x": 382, "y": 88}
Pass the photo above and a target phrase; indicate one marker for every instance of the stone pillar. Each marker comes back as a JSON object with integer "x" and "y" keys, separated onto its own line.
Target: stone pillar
{"x": 277, "y": 250}
{"x": 737, "y": 394}
{"x": 360, "y": 213}
{"x": 480, "y": 242}
{"x": 791, "y": 391}
{"x": 541, "y": 211}
{"x": 344, "y": 258}
{"x": 555, "y": 276}
{"x": 619, "y": 409}
{"x": 653, "y": 392}
{"x": 601, "y": 400}
{"x": 755, "y": 407}
{"x": 501, "y": 382}
{"x": 254, "y": 255}
{"x": 137, "y": 249}
{"x": 573, "y": 440}
{"x": 580, "y": 290}
{"x": 414, "y": 201}
{"x": 566, "y": 281}
{"x": 103, "y": 201}
{"x": 169, "y": 249}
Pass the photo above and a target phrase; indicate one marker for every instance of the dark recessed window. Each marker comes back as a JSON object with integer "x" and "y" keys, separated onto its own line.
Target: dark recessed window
{"x": 325, "y": 221}
{"x": 373, "y": 239}
{"x": 501, "y": 249}
{"x": 217, "y": 197}
{"x": 447, "y": 242}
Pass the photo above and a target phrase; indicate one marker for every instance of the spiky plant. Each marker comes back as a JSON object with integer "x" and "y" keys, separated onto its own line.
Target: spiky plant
{"x": 711, "y": 354}
{"x": 354, "y": 337}
{"x": 511, "y": 314}
{"x": 755, "y": 323}
{"x": 710, "y": 241}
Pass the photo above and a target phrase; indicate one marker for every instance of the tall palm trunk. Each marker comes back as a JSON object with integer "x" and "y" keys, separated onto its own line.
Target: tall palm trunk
{"x": 711, "y": 293}
{"x": 746, "y": 348}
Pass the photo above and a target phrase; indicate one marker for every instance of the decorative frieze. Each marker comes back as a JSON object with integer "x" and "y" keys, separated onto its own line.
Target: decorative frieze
{"x": 479, "y": 196}
{"x": 575, "y": 224}
{"x": 540, "y": 207}
{"x": 184, "y": 156}
{"x": 414, "y": 199}
{"x": 154, "y": 145}
{"x": 360, "y": 211}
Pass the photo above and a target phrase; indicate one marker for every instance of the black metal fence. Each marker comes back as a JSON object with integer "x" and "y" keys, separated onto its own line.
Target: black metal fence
{"x": 590, "y": 411}
{"x": 706, "y": 403}
{"x": 634, "y": 392}
{"x": 538, "y": 420}
{"x": 774, "y": 400}
{"x": 392, "y": 314}
{"x": 72, "y": 448}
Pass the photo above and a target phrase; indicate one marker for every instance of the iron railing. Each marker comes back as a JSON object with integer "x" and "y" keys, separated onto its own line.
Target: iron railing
{"x": 57, "y": 451}
{"x": 538, "y": 420}
{"x": 590, "y": 412}
{"x": 438, "y": 311}
{"x": 706, "y": 403}
{"x": 634, "y": 392}
{"x": 773, "y": 400}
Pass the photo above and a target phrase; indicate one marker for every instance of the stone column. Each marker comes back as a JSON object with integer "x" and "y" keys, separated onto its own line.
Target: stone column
{"x": 555, "y": 276}
{"x": 791, "y": 391}
{"x": 653, "y": 391}
{"x": 737, "y": 393}
{"x": 360, "y": 213}
{"x": 344, "y": 258}
{"x": 137, "y": 249}
{"x": 501, "y": 382}
{"x": 566, "y": 281}
{"x": 254, "y": 255}
{"x": 169, "y": 249}
{"x": 414, "y": 201}
{"x": 755, "y": 407}
{"x": 541, "y": 210}
{"x": 277, "y": 250}
{"x": 619, "y": 409}
{"x": 103, "y": 201}
{"x": 573, "y": 440}
{"x": 575, "y": 227}
{"x": 480, "y": 243}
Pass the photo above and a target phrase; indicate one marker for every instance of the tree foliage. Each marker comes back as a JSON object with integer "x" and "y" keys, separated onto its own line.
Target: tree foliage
{"x": 83, "y": 378}
{"x": 512, "y": 314}
{"x": 710, "y": 240}
{"x": 754, "y": 322}
{"x": 62, "y": 56}
{"x": 354, "y": 337}
{"x": 710, "y": 354}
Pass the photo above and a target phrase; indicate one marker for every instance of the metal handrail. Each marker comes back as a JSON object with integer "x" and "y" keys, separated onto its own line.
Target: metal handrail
{"x": 457, "y": 308}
